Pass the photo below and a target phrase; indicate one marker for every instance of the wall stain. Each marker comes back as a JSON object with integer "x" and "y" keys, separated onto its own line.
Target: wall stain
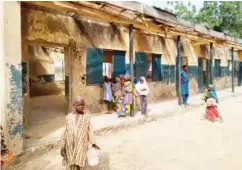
{"x": 56, "y": 25}
{"x": 15, "y": 126}
{"x": 15, "y": 103}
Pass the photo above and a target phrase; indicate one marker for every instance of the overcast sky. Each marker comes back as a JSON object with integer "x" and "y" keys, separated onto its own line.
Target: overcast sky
{"x": 163, "y": 4}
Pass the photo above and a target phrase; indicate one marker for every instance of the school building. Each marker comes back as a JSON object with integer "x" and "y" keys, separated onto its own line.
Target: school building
{"x": 53, "y": 51}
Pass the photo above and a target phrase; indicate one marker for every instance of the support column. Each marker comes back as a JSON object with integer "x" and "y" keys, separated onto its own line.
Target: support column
{"x": 233, "y": 65}
{"x": 178, "y": 70}
{"x": 210, "y": 74}
{"x": 131, "y": 51}
{"x": 11, "y": 93}
{"x": 2, "y": 66}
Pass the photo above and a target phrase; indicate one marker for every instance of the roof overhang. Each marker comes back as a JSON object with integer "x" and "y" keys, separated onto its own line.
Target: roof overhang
{"x": 142, "y": 17}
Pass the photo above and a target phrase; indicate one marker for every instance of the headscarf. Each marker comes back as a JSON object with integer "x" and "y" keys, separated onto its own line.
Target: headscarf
{"x": 117, "y": 88}
{"x": 212, "y": 93}
{"x": 127, "y": 77}
{"x": 117, "y": 85}
{"x": 122, "y": 80}
{"x": 117, "y": 80}
{"x": 141, "y": 86}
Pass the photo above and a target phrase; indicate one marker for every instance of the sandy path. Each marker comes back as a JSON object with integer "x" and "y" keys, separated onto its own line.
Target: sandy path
{"x": 183, "y": 142}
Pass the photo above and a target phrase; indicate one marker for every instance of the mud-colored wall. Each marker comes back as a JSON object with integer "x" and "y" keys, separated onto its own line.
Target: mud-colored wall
{"x": 42, "y": 74}
{"x": 79, "y": 35}
{"x": 85, "y": 33}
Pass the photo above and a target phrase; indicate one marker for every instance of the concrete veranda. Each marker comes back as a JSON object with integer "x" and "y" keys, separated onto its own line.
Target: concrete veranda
{"x": 103, "y": 124}
{"x": 182, "y": 142}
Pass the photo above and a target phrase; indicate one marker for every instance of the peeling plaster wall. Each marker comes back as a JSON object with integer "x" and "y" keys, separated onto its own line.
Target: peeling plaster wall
{"x": 79, "y": 35}
{"x": 42, "y": 71}
{"x": 12, "y": 116}
{"x": 223, "y": 82}
{"x": 86, "y": 33}
{"x": 46, "y": 27}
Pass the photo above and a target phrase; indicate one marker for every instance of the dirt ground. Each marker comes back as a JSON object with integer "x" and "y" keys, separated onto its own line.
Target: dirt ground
{"x": 47, "y": 114}
{"x": 182, "y": 142}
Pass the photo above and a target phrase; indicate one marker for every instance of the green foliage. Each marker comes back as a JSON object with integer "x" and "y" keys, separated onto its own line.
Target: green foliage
{"x": 218, "y": 15}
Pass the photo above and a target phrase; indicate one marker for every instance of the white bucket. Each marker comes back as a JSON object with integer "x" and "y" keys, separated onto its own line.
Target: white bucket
{"x": 93, "y": 155}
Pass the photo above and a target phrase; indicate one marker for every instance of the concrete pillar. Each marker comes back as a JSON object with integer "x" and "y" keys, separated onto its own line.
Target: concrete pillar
{"x": 2, "y": 70}
{"x": 11, "y": 74}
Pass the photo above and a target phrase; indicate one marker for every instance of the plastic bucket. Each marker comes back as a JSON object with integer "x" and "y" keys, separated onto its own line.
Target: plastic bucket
{"x": 93, "y": 155}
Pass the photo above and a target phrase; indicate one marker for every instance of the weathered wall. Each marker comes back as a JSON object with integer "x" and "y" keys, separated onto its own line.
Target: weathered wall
{"x": 45, "y": 27}
{"x": 12, "y": 115}
{"x": 223, "y": 82}
{"x": 85, "y": 33}
{"x": 79, "y": 35}
{"x": 43, "y": 77}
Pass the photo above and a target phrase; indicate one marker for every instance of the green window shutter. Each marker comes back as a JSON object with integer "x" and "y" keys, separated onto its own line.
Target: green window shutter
{"x": 140, "y": 64}
{"x": 217, "y": 71}
{"x": 156, "y": 67}
{"x": 200, "y": 75}
{"x": 94, "y": 72}
{"x": 119, "y": 63}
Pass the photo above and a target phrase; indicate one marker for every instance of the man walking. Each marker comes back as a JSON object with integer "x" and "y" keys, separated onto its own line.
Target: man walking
{"x": 185, "y": 84}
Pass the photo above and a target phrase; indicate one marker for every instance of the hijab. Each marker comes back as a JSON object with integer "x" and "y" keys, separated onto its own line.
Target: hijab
{"x": 140, "y": 86}
{"x": 122, "y": 80}
{"x": 117, "y": 87}
{"x": 212, "y": 92}
{"x": 127, "y": 77}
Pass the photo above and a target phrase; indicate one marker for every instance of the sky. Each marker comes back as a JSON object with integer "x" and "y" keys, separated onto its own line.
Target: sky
{"x": 163, "y": 4}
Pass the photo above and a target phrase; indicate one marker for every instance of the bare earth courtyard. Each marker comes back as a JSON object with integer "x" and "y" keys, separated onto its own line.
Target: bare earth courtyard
{"x": 183, "y": 142}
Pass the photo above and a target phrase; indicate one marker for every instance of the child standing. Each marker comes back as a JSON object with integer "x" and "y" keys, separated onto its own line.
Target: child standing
{"x": 77, "y": 137}
{"x": 107, "y": 94}
{"x": 143, "y": 90}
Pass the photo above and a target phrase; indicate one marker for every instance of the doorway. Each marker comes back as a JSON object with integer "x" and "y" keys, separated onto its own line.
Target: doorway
{"x": 46, "y": 91}
{"x": 202, "y": 74}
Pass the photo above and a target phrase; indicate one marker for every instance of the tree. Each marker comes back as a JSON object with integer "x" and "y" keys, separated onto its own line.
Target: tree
{"x": 184, "y": 12}
{"x": 221, "y": 16}
{"x": 209, "y": 15}
{"x": 231, "y": 18}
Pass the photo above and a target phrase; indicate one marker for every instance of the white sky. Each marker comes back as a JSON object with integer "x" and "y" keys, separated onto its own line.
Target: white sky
{"x": 163, "y": 4}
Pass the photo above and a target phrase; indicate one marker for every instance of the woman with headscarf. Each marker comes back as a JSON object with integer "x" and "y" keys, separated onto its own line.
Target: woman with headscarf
{"x": 211, "y": 99}
{"x": 128, "y": 93}
{"x": 77, "y": 137}
{"x": 143, "y": 90}
{"x": 125, "y": 101}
